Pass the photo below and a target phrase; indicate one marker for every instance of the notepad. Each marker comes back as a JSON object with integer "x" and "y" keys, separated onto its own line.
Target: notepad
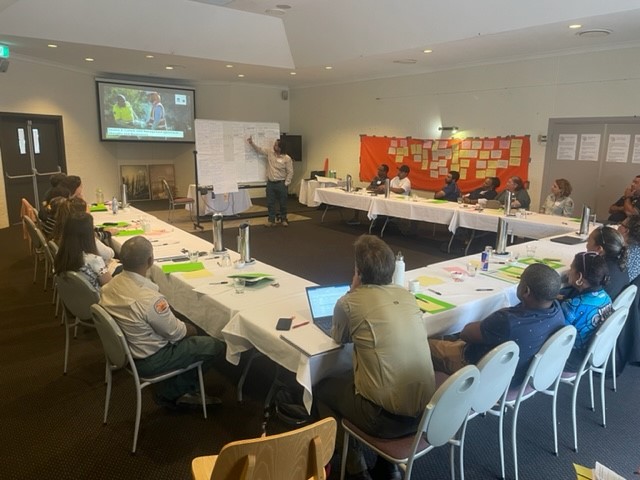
{"x": 310, "y": 340}
{"x": 113, "y": 224}
{"x": 182, "y": 267}
{"x": 432, "y": 305}
{"x": 437, "y": 200}
{"x": 98, "y": 208}
{"x": 546, "y": 261}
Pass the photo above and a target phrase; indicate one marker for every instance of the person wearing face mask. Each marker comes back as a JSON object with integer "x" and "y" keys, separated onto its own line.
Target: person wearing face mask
{"x": 559, "y": 202}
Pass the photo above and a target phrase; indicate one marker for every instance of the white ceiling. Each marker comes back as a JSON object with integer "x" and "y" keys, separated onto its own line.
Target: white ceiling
{"x": 359, "y": 39}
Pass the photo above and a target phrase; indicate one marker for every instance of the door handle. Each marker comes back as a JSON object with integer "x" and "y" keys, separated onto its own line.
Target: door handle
{"x": 14, "y": 177}
{"x": 46, "y": 173}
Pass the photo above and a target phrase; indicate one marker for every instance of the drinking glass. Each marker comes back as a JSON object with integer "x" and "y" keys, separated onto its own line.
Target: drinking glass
{"x": 226, "y": 260}
{"x": 238, "y": 284}
{"x": 531, "y": 250}
{"x": 193, "y": 256}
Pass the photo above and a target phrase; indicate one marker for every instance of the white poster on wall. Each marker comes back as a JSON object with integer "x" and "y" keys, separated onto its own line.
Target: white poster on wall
{"x": 636, "y": 149}
{"x": 589, "y": 147}
{"x": 618, "y": 148}
{"x": 567, "y": 143}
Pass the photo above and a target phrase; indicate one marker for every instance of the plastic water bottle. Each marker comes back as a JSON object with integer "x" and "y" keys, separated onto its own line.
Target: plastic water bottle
{"x": 398, "y": 274}
{"x": 114, "y": 205}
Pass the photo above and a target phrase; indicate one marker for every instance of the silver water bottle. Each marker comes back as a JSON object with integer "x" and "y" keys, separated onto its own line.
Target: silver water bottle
{"x": 243, "y": 243}
{"x": 507, "y": 203}
{"x": 349, "y": 184}
{"x": 216, "y": 228}
{"x": 124, "y": 196}
{"x": 387, "y": 188}
{"x": 501, "y": 237}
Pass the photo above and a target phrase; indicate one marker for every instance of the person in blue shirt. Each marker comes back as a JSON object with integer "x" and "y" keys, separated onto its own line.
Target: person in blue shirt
{"x": 529, "y": 324}
{"x": 585, "y": 304}
{"x": 450, "y": 190}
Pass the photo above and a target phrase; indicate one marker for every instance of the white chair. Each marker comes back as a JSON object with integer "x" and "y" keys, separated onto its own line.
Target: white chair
{"x": 173, "y": 201}
{"x": 442, "y": 418}
{"x": 544, "y": 371}
{"x": 296, "y": 455}
{"x": 602, "y": 345}
{"x": 77, "y": 296}
{"x": 118, "y": 355}
{"x": 496, "y": 371}
{"x": 624, "y": 299}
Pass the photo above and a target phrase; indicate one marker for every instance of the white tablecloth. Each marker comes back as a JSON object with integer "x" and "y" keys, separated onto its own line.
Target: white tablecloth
{"x": 226, "y": 203}
{"x": 308, "y": 188}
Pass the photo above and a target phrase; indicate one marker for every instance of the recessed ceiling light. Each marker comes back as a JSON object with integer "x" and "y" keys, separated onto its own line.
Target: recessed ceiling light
{"x": 275, "y": 11}
{"x": 428, "y": 50}
{"x": 89, "y": 59}
{"x": 292, "y": 73}
{"x": 52, "y": 45}
{"x": 229, "y": 66}
{"x": 594, "y": 33}
{"x": 575, "y": 25}
{"x": 328, "y": 68}
{"x": 149, "y": 56}
{"x": 241, "y": 75}
{"x": 169, "y": 67}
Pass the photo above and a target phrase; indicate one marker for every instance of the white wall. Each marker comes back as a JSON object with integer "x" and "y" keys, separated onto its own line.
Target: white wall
{"x": 48, "y": 90}
{"x": 492, "y": 100}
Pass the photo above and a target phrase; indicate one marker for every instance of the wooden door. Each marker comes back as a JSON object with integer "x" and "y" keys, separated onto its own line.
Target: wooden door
{"x": 32, "y": 149}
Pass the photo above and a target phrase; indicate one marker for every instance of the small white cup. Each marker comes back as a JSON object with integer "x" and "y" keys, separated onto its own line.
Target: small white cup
{"x": 238, "y": 284}
{"x": 238, "y": 264}
{"x": 414, "y": 286}
{"x": 194, "y": 255}
{"x": 457, "y": 276}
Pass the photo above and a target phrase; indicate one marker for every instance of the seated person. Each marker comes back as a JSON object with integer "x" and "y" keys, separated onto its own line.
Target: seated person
{"x": 630, "y": 231}
{"x": 585, "y": 304}
{"x": 378, "y": 182}
{"x": 73, "y": 183}
{"x": 559, "y": 202}
{"x": 392, "y": 378}
{"x": 627, "y": 204}
{"x": 529, "y": 324}
{"x": 450, "y": 190}
{"x": 78, "y": 251}
{"x": 47, "y": 213}
{"x": 54, "y": 180}
{"x": 401, "y": 183}
{"x": 609, "y": 244}
{"x": 486, "y": 191}
{"x": 377, "y": 185}
{"x": 157, "y": 339}
{"x": 78, "y": 205}
{"x": 520, "y": 197}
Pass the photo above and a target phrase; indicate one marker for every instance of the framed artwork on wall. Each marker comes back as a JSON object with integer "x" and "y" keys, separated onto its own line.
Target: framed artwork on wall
{"x": 136, "y": 178}
{"x": 156, "y": 174}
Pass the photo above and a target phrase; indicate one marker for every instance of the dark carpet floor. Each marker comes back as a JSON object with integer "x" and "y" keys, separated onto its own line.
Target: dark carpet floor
{"x": 51, "y": 425}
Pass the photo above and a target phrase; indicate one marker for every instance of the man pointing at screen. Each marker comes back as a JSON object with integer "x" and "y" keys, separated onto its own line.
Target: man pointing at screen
{"x": 279, "y": 176}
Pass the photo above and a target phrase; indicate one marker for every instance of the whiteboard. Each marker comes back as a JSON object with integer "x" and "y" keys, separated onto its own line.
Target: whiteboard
{"x": 225, "y": 158}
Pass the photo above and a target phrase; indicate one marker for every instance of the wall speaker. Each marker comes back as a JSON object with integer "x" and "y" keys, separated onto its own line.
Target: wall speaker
{"x": 4, "y": 64}
{"x": 284, "y": 94}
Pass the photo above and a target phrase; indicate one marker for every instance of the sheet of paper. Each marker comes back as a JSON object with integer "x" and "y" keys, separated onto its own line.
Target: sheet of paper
{"x": 567, "y": 143}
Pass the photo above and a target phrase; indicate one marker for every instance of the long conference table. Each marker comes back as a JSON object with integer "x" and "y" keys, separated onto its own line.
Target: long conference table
{"x": 533, "y": 225}
{"x": 247, "y": 321}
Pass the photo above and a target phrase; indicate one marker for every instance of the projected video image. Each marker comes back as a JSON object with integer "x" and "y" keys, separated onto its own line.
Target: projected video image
{"x": 145, "y": 113}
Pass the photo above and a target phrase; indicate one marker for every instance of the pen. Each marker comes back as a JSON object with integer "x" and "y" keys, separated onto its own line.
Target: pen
{"x": 499, "y": 263}
{"x": 218, "y": 283}
{"x": 300, "y": 325}
{"x": 484, "y": 289}
{"x": 432, "y": 290}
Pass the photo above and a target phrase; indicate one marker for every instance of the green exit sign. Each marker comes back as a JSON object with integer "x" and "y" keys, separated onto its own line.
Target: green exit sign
{"x": 4, "y": 51}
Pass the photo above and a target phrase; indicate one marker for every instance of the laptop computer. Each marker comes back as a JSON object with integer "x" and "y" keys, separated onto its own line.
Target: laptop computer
{"x": 322, "y": 299}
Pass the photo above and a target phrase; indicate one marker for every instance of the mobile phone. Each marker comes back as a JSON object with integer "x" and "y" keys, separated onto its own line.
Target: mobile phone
{"x": 284, "y": 323}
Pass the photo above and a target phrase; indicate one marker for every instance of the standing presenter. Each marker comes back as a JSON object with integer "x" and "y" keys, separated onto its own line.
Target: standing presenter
{"x": 279, "y": 176}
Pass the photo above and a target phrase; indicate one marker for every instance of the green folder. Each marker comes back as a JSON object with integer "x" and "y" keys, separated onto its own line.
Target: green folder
{"x": 432, "y": 305}
{"x": 182, "y": 267}
{"x": 130, "y": 233}
{"x": 437, "y": 200}
{"x": 98, "y": 208}
{"x": 114, "y": 225}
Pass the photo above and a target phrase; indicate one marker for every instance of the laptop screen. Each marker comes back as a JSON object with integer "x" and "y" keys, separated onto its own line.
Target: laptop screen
{"x": 323, "y": 298}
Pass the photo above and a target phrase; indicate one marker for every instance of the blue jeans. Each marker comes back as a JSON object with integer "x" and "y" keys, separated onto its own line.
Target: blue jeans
{"x": 179, "y": 355}
{"x": 277, "y": 194}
